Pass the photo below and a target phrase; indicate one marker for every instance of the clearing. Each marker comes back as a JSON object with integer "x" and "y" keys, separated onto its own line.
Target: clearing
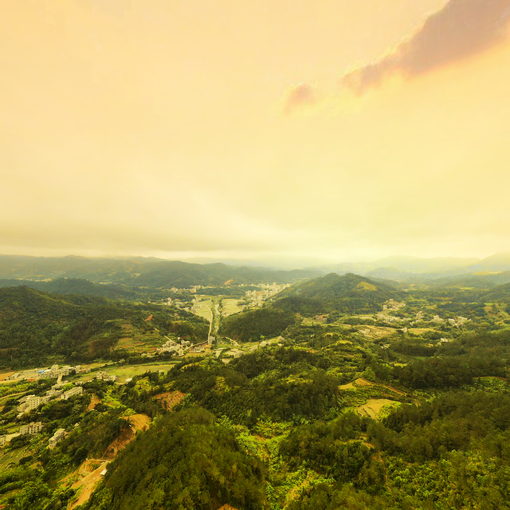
{"x": 169, "y": 399}
{"x": 374, "y": 407}
{"x": 91, "y": 471}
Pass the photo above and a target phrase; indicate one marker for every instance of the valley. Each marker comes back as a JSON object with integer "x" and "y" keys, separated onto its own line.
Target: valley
{"x": 327, "y": 391}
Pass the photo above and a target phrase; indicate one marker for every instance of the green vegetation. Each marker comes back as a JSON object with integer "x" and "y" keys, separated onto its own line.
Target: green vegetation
{"x": 256, "y": 324}
{"x": 36, "y": 326}
{"x": 185, "y": 461}
{"x": 340, "y": 392}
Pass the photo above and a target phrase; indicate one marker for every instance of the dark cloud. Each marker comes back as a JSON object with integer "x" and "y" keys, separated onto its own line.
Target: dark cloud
{"x": 302, "y": 95}
{"x": 461, "y": 29}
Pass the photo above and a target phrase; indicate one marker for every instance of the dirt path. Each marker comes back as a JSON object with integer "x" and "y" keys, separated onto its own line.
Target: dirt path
{"x": 94, "y": 401}
{"x": 91, "y": 471}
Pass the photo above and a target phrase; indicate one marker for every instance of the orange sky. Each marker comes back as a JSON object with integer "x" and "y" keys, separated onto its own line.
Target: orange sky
{"x": 228, "y": 128}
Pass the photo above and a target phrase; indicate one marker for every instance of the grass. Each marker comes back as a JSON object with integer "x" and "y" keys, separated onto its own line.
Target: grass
{"x": 376, "y": 407}
{"x": 202, "y": 307}
{"x": 231, "y": 306}
{"x": 124, "y": 372}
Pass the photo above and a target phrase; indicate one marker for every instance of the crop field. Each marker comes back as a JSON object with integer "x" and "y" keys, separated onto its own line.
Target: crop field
{"x": 231, "y": 306}
{"x": 202, "y": 308}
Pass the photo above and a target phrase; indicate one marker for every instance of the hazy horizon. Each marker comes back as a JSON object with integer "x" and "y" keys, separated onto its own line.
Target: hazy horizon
{"x": 331, "y": 131}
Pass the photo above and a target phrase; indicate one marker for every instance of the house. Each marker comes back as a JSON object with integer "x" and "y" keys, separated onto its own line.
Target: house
{"x": 103, "y": 376}
{"x": 77, "y": 390}
{"x": 31, "y": 402}
{"x": 56, "y": 438}
{"x": 31, "y": 428}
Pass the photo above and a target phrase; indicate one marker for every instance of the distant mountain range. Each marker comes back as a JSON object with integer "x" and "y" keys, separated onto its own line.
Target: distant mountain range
{"x": 144, "y": 272}
{"x": 141, "y": 272}
{"x": 412, "y": 269}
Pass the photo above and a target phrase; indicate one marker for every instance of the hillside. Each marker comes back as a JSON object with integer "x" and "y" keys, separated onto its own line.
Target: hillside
{"x": 77, "y": 286}
{"x": 499, "y": 294}
{"x": 349, "y": 293}
{"x": 38, "y": 325}
{"x": 475, "y": 280}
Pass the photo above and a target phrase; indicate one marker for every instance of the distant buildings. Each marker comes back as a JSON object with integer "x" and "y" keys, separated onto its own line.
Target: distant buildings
{"x": 54, "y": 371}
{"x": 31, "y": 428}
{"x": 103, "y": 376}
{"x": 173, "y": 347}
{"x": 31, "y": 402}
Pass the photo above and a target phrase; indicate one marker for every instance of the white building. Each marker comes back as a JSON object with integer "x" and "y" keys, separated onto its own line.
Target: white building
{"x": 56, "y": 438}
{"x": 31, "y": 428}
{"x": 77, "y": 390}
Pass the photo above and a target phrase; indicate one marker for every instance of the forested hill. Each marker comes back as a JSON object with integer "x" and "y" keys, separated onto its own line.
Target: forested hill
{"x": 78, "y": 286}
{"x": 350, "y": 293}
{"x": 150, "y": 272}
{"x": 500, "y": 294}
{"x": 347, "y": 293}
{"x": 35, "y": 325}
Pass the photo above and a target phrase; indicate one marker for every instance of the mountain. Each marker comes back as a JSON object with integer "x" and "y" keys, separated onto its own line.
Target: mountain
{"x": 349, "y": 293}
{"x": 483, "y": 280}
{"x": 76, "y": 286}
{"x": 141, "y": 272}
{"x": 498, "y": 262}
{"x": 403, "y": 268}
{"x": 416, "y": 269}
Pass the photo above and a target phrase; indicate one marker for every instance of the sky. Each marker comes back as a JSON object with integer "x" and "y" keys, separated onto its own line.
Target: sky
{"x": 331, "y": 130}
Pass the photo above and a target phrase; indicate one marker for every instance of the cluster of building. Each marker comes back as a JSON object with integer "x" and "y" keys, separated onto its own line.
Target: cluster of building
{"x": 266, "y": 291}
{"x": 31, "y": 428}
{"x": 181, "y": 348}
{"x": 28, "y": 429}
{"x": 31, "y": 402}
{"x": 173, "y": 347}
{"x": 54, "y": 371}
{"x": 104, "y": 376}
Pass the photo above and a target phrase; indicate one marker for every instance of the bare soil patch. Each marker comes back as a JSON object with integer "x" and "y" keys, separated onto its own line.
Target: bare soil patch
{"x": 169, "y": 399}
{"x": 90, "y": 472}
{"x": 374, "y": 407}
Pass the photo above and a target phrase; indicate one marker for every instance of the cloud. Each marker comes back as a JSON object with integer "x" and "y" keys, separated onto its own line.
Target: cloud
{"x": 299, "y": 96}
{"x": 461, "y": 29}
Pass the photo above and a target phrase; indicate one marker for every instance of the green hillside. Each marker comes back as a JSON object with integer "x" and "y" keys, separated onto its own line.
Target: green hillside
{"x": 499, "y": 294}
{"x": 77, "y": 286}
{"x": 35, "y": 325}
{"x": 331, "y": 293}
{"x": 349, "y": 293}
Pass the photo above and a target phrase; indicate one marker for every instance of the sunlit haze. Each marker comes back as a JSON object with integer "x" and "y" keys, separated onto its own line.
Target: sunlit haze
{"x": 312, "y": 130}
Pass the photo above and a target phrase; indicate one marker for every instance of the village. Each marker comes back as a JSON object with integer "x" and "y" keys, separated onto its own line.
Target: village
{"x": 61, "y": 390}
